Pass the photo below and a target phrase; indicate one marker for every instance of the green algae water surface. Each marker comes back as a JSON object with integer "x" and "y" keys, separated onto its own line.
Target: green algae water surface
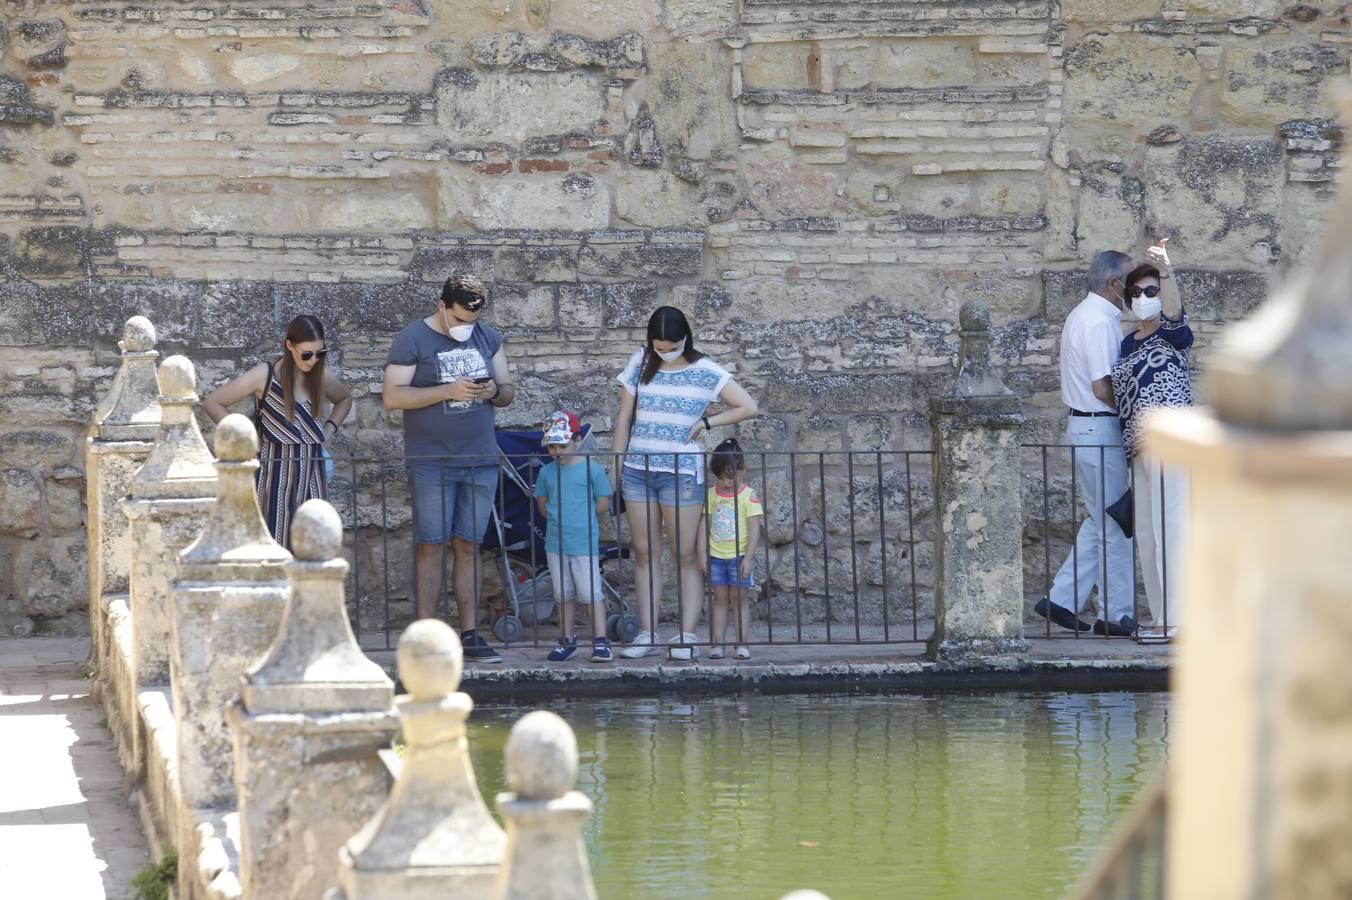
{"x": 858, "y": 796}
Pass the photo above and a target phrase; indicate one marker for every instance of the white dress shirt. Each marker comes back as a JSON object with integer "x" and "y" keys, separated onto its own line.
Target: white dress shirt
{"x": 1091, "y": 340}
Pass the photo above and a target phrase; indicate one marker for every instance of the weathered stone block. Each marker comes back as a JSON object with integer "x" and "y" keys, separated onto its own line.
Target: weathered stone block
{"x": 1218, "y": 199}
{"x": 1266, "y": 86}
{"x": 515, "y": 307}
{"x": 1110, "y": 11}
{"x": 538, "y": 264}
{"x": 362, "y": 212}
{"x": 20, "y": 503}
{"x": 503, "y": 106}
{"x": 573, "y": 202}
{"x": 48, "y": 582}
{"x": 700, "y": 16}
{"x": 1136, "y": 80}
{"x": 1111, "y": 209}
{"x": 600, "y": 18}
{"x": 436, "y": 264}
{"x": 51, "y": 252}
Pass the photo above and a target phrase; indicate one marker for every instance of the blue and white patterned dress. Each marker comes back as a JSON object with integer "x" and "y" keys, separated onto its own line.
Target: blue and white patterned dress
{"x": 1151, "y": 372}
{"x": 667, "y": 408}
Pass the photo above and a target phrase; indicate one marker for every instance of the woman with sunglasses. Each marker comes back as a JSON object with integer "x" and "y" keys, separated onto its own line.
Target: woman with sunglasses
{"x": 1153, "y": 372}
{"x": 289, "y": 395}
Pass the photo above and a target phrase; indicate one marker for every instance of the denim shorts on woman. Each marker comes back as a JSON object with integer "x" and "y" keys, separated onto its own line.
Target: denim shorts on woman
{"x": 662, "y": 488}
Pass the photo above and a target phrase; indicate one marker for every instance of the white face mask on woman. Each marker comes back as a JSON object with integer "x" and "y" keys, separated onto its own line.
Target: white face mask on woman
{"x": 674, "y": 354}
{"x": 1146, "y": 308}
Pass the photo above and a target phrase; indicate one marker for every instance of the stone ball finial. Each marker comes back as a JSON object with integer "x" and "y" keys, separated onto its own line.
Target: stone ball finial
{"x": 430, "y": 659}
{"x": 974, "y": 316}
{"x": 138, "y": 335}
{"x": 316, "y": 532}
{"x": 541, "y": 756}
{"x": 178, "y": 378}
{"x": 236, "y": 439}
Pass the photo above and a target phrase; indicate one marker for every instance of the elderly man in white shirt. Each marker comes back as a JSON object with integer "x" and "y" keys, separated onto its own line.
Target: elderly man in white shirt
{"x": 1091, "y": 340}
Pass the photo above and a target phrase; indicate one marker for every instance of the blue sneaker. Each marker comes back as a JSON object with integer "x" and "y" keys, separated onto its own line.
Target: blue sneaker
{"x": 564, "y": 650}
{"x": 601, "y": 650}
{"x": 477, "y": 649}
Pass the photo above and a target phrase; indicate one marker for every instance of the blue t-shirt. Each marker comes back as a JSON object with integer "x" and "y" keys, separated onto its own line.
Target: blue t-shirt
{"x": 462, "y": 430}
{"x": 570, "y": 495}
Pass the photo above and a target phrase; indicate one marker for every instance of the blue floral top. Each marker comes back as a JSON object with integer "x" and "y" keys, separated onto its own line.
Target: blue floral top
{"x": 1151, "y": 372}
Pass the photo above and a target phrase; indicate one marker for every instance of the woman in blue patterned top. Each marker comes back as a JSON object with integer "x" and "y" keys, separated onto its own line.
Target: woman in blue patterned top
{"x": 1153, "y": 372}
{"x": 666, "y": 390}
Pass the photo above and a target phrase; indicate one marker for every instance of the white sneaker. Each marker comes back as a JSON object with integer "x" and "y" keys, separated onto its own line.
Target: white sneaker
{"x": 640, "y": 646}
{"x": 684, "y": 653}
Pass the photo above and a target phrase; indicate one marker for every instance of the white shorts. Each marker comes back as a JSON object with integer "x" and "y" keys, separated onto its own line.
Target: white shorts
{"x": 576, "y": 577}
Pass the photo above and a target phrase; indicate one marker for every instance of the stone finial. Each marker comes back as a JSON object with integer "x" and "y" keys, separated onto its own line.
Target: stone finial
{"x": 315, "y": 665}
{"x": 1287, "y": 367}
{"x": 541, "y": 757}
{"x": 235, "y": 537}
{"x": 435, "y": 827}
{"x": 545, "y": 855}
{"x": 131, "y": 410}
{"x": 180, "y": 465}
{"x": 976, "y": 385}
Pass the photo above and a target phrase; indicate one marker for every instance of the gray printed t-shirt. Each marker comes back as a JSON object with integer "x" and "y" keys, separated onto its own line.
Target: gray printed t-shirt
{"x": 450, "y": 428}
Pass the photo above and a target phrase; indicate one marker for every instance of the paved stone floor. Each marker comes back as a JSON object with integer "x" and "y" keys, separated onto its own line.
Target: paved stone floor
{"x": 66, "y": 829}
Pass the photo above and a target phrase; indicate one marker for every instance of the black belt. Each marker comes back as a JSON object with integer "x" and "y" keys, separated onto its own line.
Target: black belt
{"x": 1093, "y": 415}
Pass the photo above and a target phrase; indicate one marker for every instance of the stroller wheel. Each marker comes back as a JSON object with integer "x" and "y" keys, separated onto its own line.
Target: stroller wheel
{"x": 613, "y": 626}
{"x": 508, "y": 629}
{"x": 627, "y": 628}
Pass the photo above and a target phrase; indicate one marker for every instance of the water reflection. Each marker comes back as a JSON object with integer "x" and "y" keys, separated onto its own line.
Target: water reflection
{"x": 1002, "y": 795}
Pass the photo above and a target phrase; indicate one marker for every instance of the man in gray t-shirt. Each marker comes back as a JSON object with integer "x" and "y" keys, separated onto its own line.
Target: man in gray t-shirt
{"x": 448, "y": 373}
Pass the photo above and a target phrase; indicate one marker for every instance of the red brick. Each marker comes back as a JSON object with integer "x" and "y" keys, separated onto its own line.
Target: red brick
{"x": 352, "y": 120}
{"x": 493, "y": 168}
{"x": 542, "y": 165}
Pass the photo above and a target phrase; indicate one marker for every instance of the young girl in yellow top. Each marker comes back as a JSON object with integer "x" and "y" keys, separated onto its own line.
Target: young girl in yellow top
{"x": 727, "y": 544}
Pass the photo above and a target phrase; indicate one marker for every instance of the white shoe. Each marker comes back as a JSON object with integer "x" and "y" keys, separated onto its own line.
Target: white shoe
{"x": 684, "y": 653}
{"x": 640, "y": 646}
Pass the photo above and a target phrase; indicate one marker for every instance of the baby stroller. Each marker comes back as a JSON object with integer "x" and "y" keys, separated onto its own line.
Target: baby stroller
{"x": 517, "y": 533}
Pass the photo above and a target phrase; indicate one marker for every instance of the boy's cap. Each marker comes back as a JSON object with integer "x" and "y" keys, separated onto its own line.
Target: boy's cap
{"x": 561, "y": 428}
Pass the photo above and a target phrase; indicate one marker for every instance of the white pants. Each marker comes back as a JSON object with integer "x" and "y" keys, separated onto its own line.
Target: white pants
{"x": 575, "y": 577}
{"x": 1161, "y": 497}
{"x": 1101, "y": 479}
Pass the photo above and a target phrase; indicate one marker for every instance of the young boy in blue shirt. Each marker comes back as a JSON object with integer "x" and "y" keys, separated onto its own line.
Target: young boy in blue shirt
{"x": 571, "y": 492}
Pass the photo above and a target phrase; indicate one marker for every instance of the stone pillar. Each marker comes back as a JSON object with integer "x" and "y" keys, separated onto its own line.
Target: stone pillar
{"x": 1261, "y": 762}
{"x": 544, "y": 815}
{"x": 311, "y": 719}
{"x": 170, "y": 498}
{"x": 228, "y": 601}
{"x": 979, "y": 503}
{"x": 121, "y": 433}
{"x": 434, "y": 837}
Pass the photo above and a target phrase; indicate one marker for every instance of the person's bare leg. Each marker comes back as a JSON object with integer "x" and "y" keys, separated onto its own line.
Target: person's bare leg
{"x": 743, "y": 618}
{"x": 684, "y": 527}
{"x": 567, "y": 620}
{"x": 718, "y": 617}
{"x": 598, "y": 617}
{"x": 430, "y": 578}
{"x": 645, "y": 530}
{"x": 468, "y": 580}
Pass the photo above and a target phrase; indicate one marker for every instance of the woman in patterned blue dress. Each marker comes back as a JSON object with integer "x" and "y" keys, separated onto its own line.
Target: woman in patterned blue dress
{"x": 1152, "y": 372}
{"x": 289, "y": 392}
{"x": 665, "y": 393}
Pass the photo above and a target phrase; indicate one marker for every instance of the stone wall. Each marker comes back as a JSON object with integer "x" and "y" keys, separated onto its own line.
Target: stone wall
{"x": 819, "y": 184}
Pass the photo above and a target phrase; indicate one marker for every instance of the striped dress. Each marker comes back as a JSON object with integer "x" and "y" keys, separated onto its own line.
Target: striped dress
{"x": 291, "y": 468}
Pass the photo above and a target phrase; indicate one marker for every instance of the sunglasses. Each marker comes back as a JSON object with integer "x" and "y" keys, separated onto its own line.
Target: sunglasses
{"x": 1149, "y": 290}
{"x": 307, "y": 355}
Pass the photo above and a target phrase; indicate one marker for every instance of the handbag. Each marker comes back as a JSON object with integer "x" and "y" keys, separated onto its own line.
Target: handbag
{"x": 1123, "y": 512}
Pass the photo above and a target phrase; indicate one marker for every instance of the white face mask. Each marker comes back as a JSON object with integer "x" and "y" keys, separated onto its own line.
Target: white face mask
{"x": 459, "y": 332}
{"x": 674, "y": 354}
{"x": 1146, "y": 308}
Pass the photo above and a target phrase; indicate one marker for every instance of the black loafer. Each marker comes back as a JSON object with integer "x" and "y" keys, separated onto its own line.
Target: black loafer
{"x": 1123, "y": 627}
{"x": 1060, "y": 615}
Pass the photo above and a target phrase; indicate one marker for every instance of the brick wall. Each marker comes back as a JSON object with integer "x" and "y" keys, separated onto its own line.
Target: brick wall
{"x": 818, "y": 184}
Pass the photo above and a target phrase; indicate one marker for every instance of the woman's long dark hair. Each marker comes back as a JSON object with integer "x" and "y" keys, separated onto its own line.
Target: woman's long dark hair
{"x": 302, "y": 328}
{"x": 667, "y": 323}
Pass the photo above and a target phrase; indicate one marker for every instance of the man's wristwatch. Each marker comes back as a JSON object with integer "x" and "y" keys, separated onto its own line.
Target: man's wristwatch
{"x": 705, "y": 420}
{"x": 497, "y": 389}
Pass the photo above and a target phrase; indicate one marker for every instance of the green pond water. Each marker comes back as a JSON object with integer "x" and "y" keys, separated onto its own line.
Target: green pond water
{"x": 875, "y": 796}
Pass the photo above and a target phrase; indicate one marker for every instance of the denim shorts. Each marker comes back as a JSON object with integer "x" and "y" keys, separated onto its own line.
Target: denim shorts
{"x": 450, "y": 500}
{"x": 724, "y": 572}
{"x": 662, "y": 488}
